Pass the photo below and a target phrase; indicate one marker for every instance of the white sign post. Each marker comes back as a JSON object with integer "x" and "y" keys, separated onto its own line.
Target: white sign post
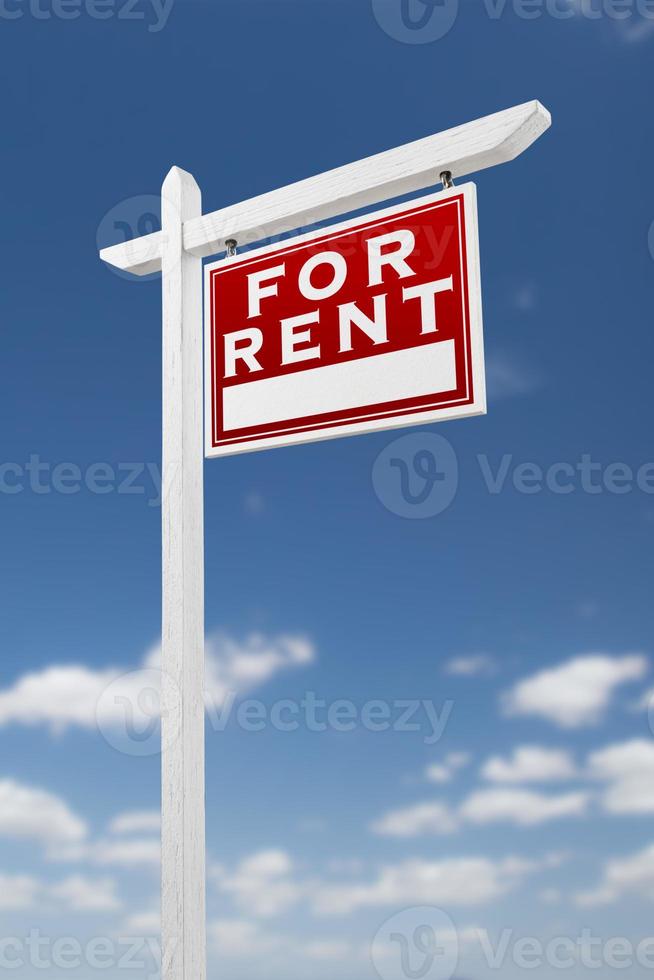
{"x": 182, "y": 632}
{"x": 177, "y": 250}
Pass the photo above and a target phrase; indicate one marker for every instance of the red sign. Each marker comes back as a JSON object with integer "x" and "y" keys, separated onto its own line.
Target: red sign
{"x": 372, "y": 324}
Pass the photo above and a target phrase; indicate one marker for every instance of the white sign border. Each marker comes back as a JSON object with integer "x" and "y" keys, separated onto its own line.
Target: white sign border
{"x": 476, "y": 407}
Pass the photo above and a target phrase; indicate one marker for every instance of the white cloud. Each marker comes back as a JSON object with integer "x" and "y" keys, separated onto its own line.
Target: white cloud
{"x": 261, "y": 884}
{"x": 438, "y": 773}
{"x": 264, "y": 885}
{"x": 127, "y": 853}
{"x": 630, "y": 26}
{"x": 575, "y": 693}
{"x": 550, "y": 896}
{"x": 80, "y": 894}
{"x": 633, "y": 875}
{"x": 18, "y": 892}
{"x": 267, "y": 864}
{"x": 623, "y": 759}
{"x": 241, "y": 937}
{"x": 530, "y": 764}
{"x": 136, "y": 822}
{"x": 466, "y": 881}
{"x": 525, "y": 297}
{"x": 475, "y": 665}
{"x": 147, "y": 922}
{"x": 634, "y": 33}
{"x": 327, "y": 950}
{"x": 593, "y": 898}
{"x": 442, "y": 772}
{"x": 506, "y": 377}
{"x": 345, "y": 866}
{"x": 58, "y": 696}
{"x": 628, "y": 768}
{"x": 35, "y": 814}
{"x": 521, "y": 807}
{"x": 66, "y": 695}
{"x": 236, "y": 938}
{"x": 423, "y": 818}
{"x": 122, "y": 852}
{"x": 517, "y": 806}
{"x": 76, "y": 894}
{"x": 239, "y": 666}
{"x": 254, "y": 503}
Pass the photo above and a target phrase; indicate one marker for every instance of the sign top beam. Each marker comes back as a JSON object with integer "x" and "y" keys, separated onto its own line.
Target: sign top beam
{"x": 463, "y": 150}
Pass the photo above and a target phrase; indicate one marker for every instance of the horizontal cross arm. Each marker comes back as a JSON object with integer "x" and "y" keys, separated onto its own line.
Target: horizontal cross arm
{"x": 463, "y": 150}
{"x": 141, "y": 256}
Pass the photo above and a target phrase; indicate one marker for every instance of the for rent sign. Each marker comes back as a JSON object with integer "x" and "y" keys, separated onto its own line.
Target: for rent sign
{"x": 371, "y": 324}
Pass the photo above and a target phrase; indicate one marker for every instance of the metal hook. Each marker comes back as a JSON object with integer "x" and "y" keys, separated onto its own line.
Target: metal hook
{"x": 446, "y": 179}
{"x": 231, "y": 245}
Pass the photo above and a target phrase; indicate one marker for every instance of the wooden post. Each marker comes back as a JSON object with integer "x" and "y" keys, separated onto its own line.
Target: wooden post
{"x": 182, "y": 726}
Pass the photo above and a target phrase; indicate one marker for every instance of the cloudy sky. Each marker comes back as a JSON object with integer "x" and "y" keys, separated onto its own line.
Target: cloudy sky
{"x": 414, "y": 719}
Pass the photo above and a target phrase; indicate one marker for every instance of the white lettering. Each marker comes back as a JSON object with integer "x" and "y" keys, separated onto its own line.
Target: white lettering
{"x": 291, "y": 339}
{"x": 426, "y": 293}
{"x": 349, "y": 314}
{"x": 257, "y": 292}
{"x": 377, "y": 259}
{"x": 339, "y": 268}
{"x": 245, "y": 353}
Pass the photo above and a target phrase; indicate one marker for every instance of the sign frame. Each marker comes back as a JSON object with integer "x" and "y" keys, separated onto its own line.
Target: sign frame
{"x": 373, "y": 421}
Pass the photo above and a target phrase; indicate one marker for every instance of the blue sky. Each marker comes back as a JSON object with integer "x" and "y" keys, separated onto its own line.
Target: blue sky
{"x": 522, "y": 619}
